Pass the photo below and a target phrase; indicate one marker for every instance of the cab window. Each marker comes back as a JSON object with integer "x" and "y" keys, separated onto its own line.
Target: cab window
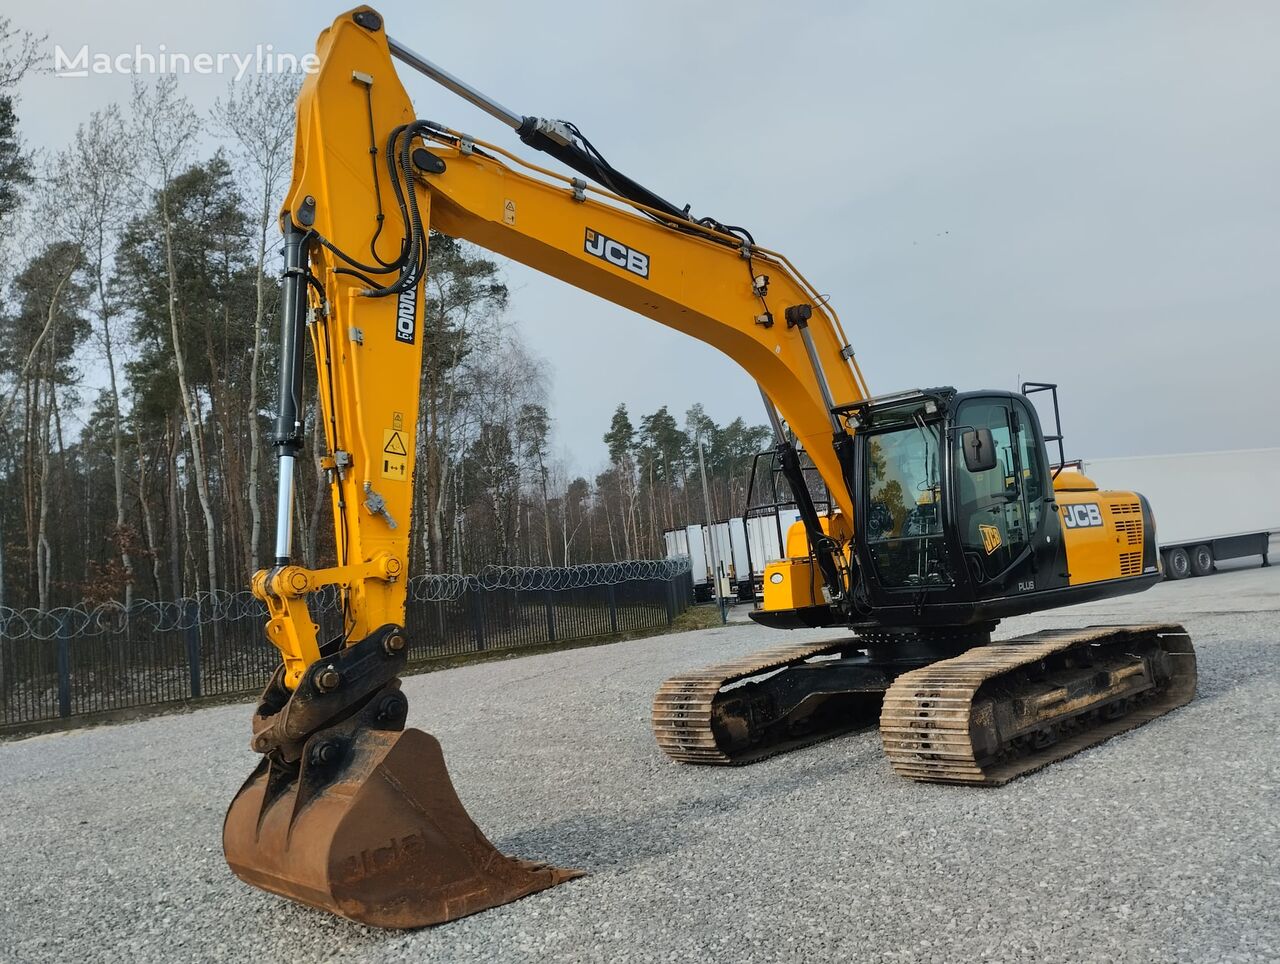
{"x": 903, "y": 521}
{"x": 1031, "y": 463}
{"x": 991, "y": 512}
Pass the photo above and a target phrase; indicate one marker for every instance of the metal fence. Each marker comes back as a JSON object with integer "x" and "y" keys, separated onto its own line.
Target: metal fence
{"x": 76, "y": 661}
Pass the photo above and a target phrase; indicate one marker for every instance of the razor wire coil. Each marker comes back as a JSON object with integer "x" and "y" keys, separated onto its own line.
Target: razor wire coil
{"x": 448, "y": 587}
{"x": 113, "y": 618}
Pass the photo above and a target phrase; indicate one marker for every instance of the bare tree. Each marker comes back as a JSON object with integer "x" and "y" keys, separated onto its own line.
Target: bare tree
{"x": 495, "y": 385}
{"x": 144, "y": 507}
{"x": 165, "y": 128}
{"x": 19, "y": 52}
{"x": 465, "y": 299}
{"x": 60, "y": 280}
{"x": 93, "y": 207}
{"x": 39, "y": 338}
{"x": 257, "y": 116}
{"x": 44, "y": 554}
{"x": 533, "y": 431}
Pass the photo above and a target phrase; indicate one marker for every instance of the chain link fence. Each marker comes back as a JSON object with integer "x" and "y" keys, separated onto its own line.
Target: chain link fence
{"x": 78, "y": 661}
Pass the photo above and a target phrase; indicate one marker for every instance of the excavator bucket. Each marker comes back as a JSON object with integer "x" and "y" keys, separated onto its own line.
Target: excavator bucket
{"x": 351, "y": 813}
{"x": 373, "y": 830}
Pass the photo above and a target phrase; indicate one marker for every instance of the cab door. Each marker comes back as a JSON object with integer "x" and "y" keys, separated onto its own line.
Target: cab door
{"x": 1000, "y": 512}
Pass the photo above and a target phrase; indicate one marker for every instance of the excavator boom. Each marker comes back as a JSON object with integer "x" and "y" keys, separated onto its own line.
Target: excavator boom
{"x": 347, "y": 808}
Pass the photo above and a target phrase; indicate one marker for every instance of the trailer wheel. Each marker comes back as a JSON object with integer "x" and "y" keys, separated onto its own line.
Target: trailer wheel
{"x": 1201, "y": 561}
{"x": 1177, "y": 564}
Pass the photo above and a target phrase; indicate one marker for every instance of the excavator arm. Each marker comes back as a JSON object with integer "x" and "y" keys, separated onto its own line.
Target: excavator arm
{"x": 370, "y": 180}
{"x": 718, "y": 287}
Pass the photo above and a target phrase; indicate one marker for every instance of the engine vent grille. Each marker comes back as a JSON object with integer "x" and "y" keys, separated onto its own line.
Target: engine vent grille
{"x": 1130, "y": 563}
{"x": 1131, "y": 529}
{"x": 1126, "y": 508}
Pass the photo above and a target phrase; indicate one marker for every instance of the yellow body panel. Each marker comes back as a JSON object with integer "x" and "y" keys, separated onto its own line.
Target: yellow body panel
{"x": 835, "y": 525}
{"x": 1103, "y": 532}
{"x": 792, "y": 584}
{"x": 796, "y": 581}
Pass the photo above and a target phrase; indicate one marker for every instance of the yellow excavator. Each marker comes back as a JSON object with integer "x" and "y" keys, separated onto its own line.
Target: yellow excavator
{"x": 943, "y": 513}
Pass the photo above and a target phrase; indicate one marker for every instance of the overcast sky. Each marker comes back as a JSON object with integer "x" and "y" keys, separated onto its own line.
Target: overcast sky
{"x": 1083, "y": 192}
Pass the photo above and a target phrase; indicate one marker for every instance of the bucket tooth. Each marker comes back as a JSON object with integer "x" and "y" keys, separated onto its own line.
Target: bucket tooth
{"x": 370, "y": 828}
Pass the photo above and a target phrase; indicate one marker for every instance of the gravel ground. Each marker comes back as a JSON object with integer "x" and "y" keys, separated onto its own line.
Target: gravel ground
{"x": 1161, "y": 845}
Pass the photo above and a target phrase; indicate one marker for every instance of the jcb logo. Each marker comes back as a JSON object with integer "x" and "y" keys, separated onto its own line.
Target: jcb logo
{"x": 616, "y": 253}
{"x": 990, "y": 538}
{"x": 1082, "y": 516}
{"x": 382, "y": 860}
{"x": 407, "y": 315}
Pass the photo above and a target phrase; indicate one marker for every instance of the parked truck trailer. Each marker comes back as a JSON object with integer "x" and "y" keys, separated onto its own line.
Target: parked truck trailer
{"x": 694, "y": 542}
{"x": 766, "y": 538}
{"x": 1208, "y": 506}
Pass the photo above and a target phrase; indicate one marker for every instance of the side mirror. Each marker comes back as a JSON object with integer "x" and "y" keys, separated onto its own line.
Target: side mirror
{"x": 979, "y": 450}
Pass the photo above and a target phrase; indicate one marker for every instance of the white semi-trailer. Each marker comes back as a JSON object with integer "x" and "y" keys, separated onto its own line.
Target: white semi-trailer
{"x": 699, "y": 559}
{"x": 676, "y": 542}
{"x": 741, "y": 560}
{"x": 693, "y": 543}
{"x": 766, "y": 538}
{"x": 1208, "y": 506}
{"x": 731, "y": 551}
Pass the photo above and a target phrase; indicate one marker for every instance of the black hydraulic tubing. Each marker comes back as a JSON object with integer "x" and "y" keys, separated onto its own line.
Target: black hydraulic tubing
{"x": 793, "y": 472}
{"x": 287, "y": 436}
{"x": 527, "y": 127}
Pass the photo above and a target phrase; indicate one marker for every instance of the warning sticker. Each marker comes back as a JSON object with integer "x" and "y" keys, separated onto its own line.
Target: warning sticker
{"x": 395, "y": 457}
{"x": 509, "y": 211}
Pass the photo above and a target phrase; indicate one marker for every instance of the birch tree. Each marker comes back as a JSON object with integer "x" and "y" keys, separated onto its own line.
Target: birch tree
{"x": 93, "y": 207}
{"x": 165, "y": 127}
{"x": 533, "y": 429}
{"x": 19, "y": 52}
{"x": 462, "y": 325}
{"x": 257, "y": 115}
{"x": 39, "y": 341}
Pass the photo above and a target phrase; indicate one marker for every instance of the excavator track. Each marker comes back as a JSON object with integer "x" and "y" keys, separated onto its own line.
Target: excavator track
{"x": 689, "y": 724}
{"x": 999, "y": 711}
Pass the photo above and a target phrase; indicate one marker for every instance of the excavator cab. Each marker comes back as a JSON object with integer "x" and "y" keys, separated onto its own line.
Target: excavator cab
{"x": 958, "y": 520}
{"x": 952, "y": 489}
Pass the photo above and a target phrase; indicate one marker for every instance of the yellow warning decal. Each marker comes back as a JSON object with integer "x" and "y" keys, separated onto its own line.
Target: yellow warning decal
{"x": 990, "y": 538}
{"x": 395, "y": 457}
